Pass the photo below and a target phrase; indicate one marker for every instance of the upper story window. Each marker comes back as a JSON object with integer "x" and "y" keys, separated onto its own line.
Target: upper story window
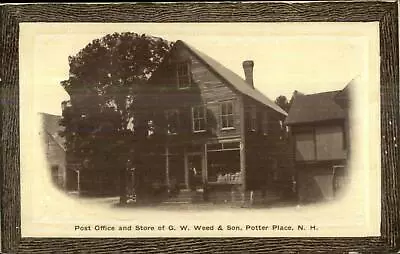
{"x": 252, "y": 118}
{"x": 227, "y": 115}
{"x": 151, "y": 129}
{"x": 329, "y": 142}
{"x": 319, "y": 143}
{"x": 199, "y": 118}
{"x": 172, "y": 121}
{"x": 305, "y": 146}
{"x": 183, "y": 75}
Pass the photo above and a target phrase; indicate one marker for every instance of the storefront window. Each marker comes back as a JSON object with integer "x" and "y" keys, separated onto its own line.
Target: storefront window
{"x": 224, "y": 166}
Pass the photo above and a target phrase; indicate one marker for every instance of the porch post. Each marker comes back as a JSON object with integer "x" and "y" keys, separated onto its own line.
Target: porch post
{"x": 167, "y": 166}
{"x": 205, "y": 174}
{"x": 242, "y": 146}
{"x": 243, "y": 168}
{"x": 205, "y": 170}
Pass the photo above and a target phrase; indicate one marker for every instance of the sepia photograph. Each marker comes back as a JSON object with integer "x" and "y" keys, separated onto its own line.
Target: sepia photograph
{"x": 200, "y": 129}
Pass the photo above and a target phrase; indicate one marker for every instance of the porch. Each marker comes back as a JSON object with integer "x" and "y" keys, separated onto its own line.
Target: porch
{"x": 196, "y": 172}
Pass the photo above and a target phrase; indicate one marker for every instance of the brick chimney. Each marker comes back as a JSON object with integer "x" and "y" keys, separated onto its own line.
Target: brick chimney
{"x": 248, "y": 72}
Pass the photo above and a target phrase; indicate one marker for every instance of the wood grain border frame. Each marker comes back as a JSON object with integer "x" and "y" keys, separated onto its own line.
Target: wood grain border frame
{"x": 347, "y": 11}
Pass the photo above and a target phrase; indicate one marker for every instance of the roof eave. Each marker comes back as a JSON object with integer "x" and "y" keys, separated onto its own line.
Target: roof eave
{"x": 223, "y": 78}
{"x": 292, "y": 123}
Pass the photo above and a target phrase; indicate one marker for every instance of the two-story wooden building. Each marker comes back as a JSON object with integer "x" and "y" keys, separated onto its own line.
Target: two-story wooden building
{"x": 319, "y": 127}
{"x": 213, "y": 131}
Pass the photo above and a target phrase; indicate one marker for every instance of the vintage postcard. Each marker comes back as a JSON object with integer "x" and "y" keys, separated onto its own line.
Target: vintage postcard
{"x": 200, "y": 129}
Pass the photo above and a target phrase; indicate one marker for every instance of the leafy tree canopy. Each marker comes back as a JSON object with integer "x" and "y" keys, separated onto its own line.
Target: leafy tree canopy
{"x": 103, "y": 79}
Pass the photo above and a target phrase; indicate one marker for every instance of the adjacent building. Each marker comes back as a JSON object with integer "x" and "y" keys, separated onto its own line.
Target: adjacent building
{"x": 319, "y": 127}
{"x": 53, "y": 145}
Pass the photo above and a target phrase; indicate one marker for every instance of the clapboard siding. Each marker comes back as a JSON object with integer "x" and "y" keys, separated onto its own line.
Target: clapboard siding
{"x": 204, "y": 82}
{"x": 206, "y": 88}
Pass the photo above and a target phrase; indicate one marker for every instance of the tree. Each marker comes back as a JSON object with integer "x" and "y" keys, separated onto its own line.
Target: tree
{"x": 104, "y": 78}
{"x": 282, "y": 102}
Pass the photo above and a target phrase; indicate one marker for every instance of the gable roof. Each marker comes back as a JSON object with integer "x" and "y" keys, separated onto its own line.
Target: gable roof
{"x": 315, "y": 108}
{"x": 232, "y": 78}
{"x": 51, "y": 127}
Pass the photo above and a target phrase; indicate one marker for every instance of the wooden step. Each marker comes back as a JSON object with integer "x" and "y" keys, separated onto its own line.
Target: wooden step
{"x": 258, "y": 198}
{"x": 185, "y": 196}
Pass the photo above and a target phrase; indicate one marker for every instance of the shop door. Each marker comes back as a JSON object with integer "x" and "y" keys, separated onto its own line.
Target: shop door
{"x": 195, "y": 168}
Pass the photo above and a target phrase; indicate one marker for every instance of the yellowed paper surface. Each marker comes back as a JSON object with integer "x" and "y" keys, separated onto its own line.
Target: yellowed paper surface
{"x": 309, "y": 57}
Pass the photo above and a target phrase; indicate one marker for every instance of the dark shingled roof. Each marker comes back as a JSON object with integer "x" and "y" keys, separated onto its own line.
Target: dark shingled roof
{"x": 314, "y": 108}
{"x": 233, "y": 79}
{"x": 51, "y": 127}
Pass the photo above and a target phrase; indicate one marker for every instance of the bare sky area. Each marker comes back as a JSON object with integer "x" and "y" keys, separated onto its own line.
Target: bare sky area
{"x": 309, "y": 57}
